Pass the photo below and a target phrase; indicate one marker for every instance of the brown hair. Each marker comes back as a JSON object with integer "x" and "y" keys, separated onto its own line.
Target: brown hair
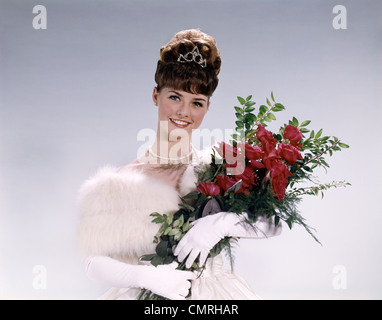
{"x": 191, "y": 76}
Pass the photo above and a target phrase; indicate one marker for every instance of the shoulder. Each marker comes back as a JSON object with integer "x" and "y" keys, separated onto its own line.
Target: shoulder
{"x": 112, "y": 189}
{"x": 109, "y": 177}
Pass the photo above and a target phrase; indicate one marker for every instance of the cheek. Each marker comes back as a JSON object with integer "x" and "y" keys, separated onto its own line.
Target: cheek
{"x": 165, "y": 110}
{"x": 198, "y": 117}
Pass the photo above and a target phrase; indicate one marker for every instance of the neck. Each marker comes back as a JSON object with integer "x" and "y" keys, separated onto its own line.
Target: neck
{"x": 172, "y": 149}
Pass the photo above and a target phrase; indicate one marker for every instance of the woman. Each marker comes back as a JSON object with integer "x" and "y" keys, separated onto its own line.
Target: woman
{"x": 115, "y": 228}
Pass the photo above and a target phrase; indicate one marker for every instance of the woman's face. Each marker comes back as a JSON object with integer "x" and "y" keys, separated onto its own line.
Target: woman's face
{"x": 180, "y": 109}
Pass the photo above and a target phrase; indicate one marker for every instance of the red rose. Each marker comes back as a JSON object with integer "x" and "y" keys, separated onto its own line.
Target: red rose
{"x": 247, "y": 177}
{"x": 293, "y": 135}
{"x": 253, "y": 152}
{"x": 290, "y": 153}
{"x": 270, "y": 158}
{"x": 256, "y": 165}
{"x": 226, "y": 182}
{"x": 279, "y": 179}
{"x": 268, "y": 142}
{"x": 209, "y": 188}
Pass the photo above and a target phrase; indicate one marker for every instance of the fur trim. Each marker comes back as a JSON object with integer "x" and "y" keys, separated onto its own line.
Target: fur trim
{"x": 116, "y": 206}
{"x": 189, "y": 180}
{"x": 116, "y": 210}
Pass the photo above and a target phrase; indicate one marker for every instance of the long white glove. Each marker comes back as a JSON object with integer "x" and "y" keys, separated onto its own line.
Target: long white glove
{"x": 208, "y": 231}
{"x": 163, "y": 280}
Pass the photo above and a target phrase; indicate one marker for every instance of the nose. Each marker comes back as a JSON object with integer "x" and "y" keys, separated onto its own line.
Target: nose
{"x": 183, "y": 110}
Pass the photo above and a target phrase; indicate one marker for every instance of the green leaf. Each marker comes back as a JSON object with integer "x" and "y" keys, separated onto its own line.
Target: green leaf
{"x": 278, "y": 107}
{"x": 249, "y": 109}
{"x": 161, "y": 249}
{"x": 241, "y": 100}
{"x": 157, "y": 260}
{"x": 158, "y": 220}
{"x": 272, "y": 97}
{"x": 343, "y": 145}
{"x": 305, "y": 123}
{"x": 268, "y": 118}
{"x": 289, "y": 222}
{"x": 306, "y": 168}
{"x": 249, "y": 98}
{"x": 192, "y": 195}
{"x": 239, "y": 110}
{"x": 186, "y": 226}
{"x": 175, "y": 224}
{"x": 239, "y": 124}
{"x": 324, "y": 163}
{"x": 272, "y": 116}
{"x": 166, "y": 232}
{"x": 178, "y": 236}
{"x": 148, "y": 257}
{"x": 239, "y": 116}
{"x": 180, "y": 221}
{"x": 250, "y": 118}
{"x": 173, "y": 232}
{"x": 319, "y": 133}
{"x": 263, "y": 109}
{"x": 155, "y": 214}
{"x": 168, "y": 259}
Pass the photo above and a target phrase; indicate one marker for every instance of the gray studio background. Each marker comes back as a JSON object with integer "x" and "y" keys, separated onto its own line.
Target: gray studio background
{"x": 73, "y": 97}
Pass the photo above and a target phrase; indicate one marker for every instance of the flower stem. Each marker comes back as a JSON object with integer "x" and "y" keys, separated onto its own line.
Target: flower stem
{"x": 217, "y": 172}
{"x": 323, "y": 152}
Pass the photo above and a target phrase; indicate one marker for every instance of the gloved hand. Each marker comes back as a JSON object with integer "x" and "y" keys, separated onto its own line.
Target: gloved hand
{"x": 163, "y": 280}
{"x": 206, "y": 232}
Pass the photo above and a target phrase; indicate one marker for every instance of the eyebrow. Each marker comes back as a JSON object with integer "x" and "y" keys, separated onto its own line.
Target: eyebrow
{"x": 179, "y": 94}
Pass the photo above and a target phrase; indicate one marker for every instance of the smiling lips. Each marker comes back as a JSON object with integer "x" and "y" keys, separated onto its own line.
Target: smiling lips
{"x": 179, "y": 123}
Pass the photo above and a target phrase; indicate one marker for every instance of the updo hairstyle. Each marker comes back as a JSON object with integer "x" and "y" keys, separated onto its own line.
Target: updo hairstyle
{"x": 191, "y": 76}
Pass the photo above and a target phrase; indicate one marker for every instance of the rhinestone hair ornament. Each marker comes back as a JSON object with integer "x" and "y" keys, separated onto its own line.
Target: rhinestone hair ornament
{"x": 193, "y": 56}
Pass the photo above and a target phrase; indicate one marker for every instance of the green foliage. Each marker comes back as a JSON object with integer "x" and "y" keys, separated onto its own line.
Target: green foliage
{"x": 247, "y": 119}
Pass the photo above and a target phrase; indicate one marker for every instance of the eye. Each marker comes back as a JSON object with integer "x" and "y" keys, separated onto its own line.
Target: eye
{"x": 175, "y": 98}
{"x": 198, "y": 104}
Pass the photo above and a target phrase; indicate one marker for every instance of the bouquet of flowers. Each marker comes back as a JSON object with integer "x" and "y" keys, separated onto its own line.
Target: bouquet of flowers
{"x": 258, "y": 173}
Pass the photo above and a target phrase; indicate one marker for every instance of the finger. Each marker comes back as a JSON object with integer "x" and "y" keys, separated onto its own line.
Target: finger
{"x": 174, "y": 265}
{"x": 194, "y": 223}
{"x": 184, "y": 292}
{"x": 190, "y": 276}
{"x": 191, "y": 258}
{"x": 202, "y": 259}
{"x": 182, "y": 243}
{"x": 184, "y": 253}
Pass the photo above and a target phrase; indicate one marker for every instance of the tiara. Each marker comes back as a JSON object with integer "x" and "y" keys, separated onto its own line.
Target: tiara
{"x": 193, "y": 56}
